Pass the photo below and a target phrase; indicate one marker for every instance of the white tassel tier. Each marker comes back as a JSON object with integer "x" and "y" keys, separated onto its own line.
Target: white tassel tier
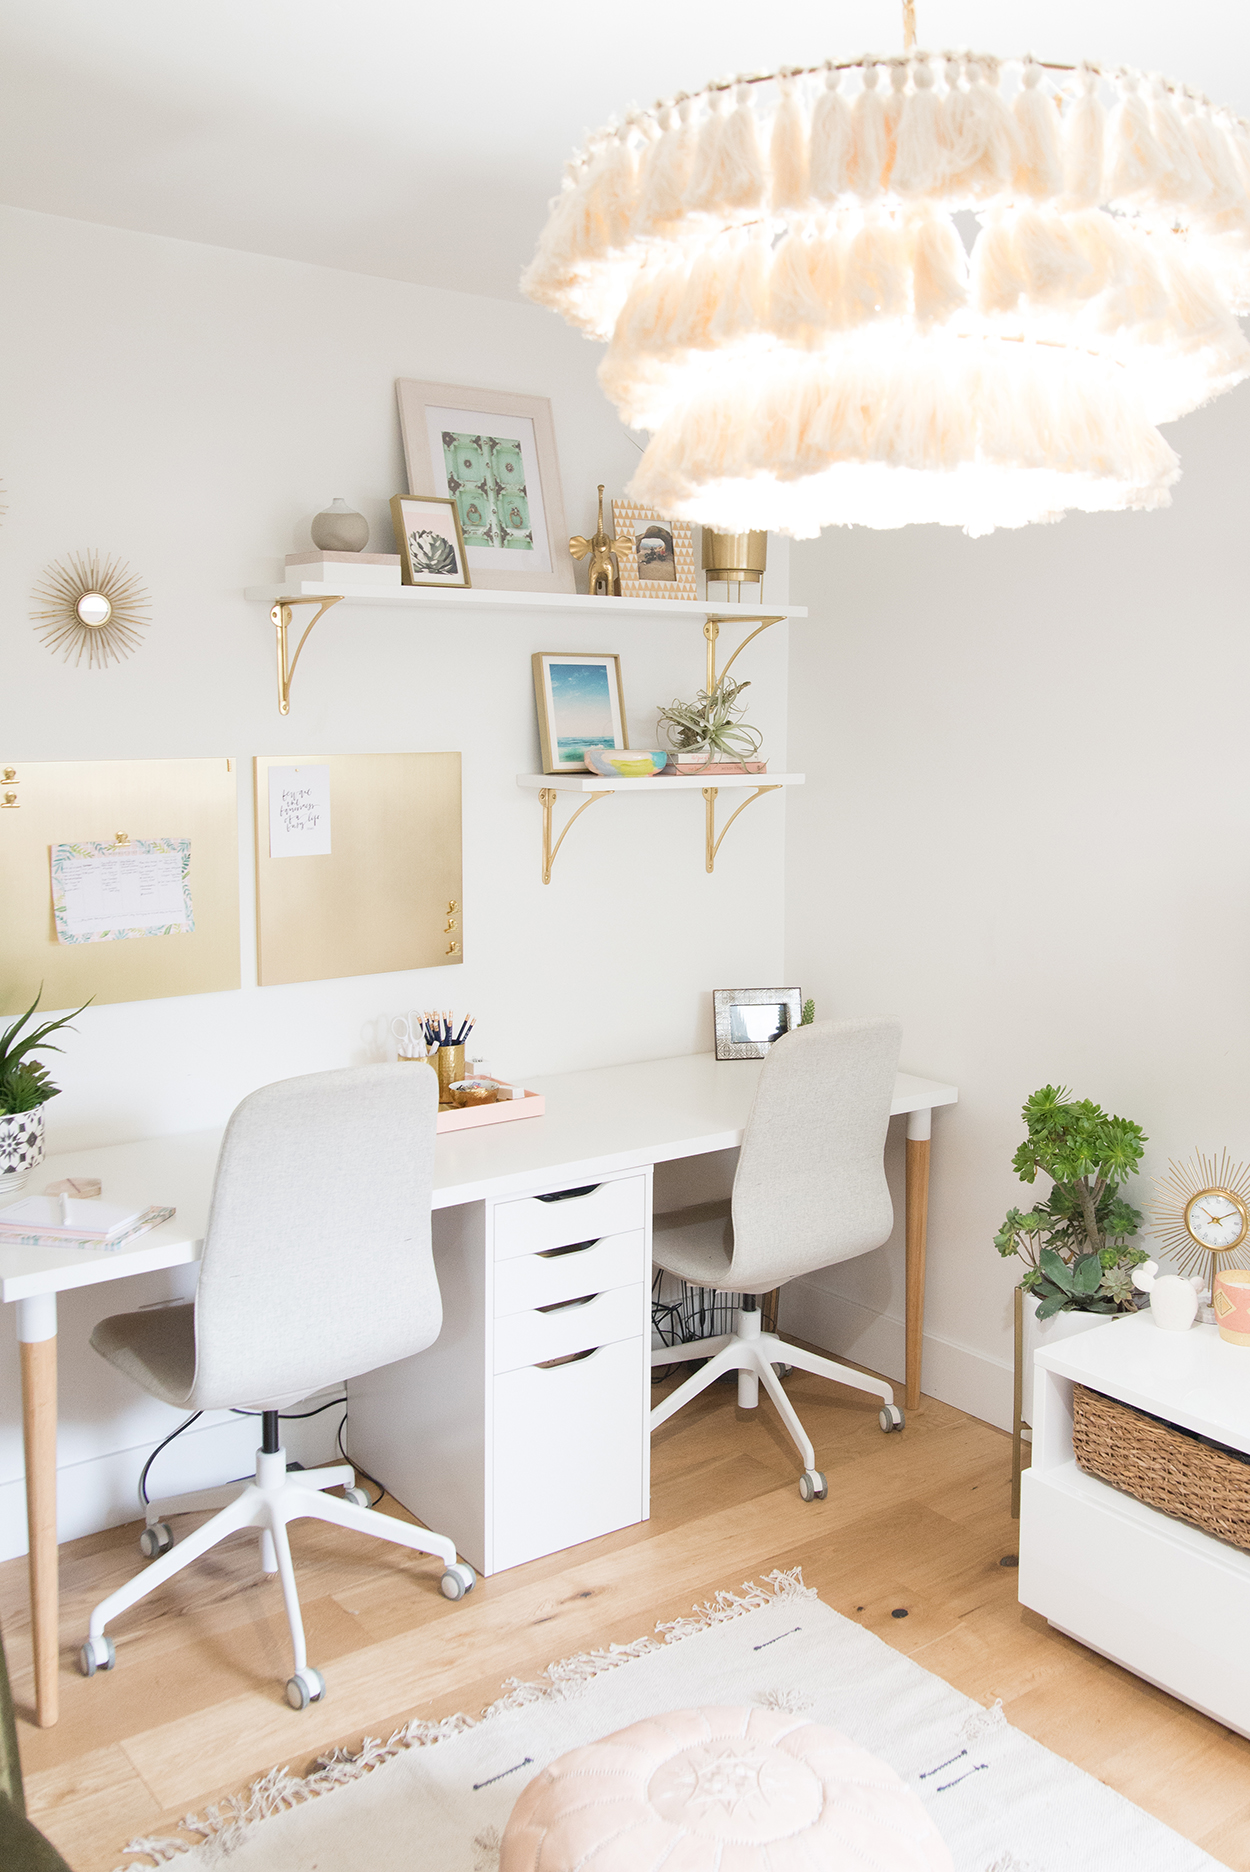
{"x": 779, "y": 268}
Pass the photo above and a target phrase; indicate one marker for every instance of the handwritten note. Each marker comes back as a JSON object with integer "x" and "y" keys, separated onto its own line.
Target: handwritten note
{"x": 107, "y": 893}
{"x": 299, "y": 812}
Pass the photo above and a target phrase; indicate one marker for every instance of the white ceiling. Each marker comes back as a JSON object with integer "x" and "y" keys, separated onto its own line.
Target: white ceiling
{"x": 421, "y": 141}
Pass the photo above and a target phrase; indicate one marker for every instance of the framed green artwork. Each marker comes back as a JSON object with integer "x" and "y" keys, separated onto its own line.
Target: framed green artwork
{"x": 494, "y": 455}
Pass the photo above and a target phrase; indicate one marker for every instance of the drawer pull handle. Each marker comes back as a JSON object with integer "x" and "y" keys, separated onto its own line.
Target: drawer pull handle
{"x": 562, "y": 1306}
{"x": 549, "y": 1254}
{"x": 587, "y": 1189}
{"x": 570, "y": 1358}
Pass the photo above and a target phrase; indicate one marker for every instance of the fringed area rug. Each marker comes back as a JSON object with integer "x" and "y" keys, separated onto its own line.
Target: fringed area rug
{"x": 436, "y": 1797}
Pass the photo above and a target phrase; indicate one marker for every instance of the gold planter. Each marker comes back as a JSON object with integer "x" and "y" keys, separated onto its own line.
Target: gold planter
{"x": 734, "y": 559}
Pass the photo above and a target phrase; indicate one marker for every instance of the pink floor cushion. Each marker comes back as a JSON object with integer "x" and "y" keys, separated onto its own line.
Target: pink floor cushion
{"x": 721, "y": 1790}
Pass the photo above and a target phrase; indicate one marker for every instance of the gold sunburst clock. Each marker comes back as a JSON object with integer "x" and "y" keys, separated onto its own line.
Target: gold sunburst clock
{"x": 1202, "y": 1213}
{"x": 91, "y": 609}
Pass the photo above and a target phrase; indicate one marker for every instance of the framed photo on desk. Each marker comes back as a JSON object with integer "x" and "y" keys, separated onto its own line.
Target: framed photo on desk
{"x": 748, "y": 1020}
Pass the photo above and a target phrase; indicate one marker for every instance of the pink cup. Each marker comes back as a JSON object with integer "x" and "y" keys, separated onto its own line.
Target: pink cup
{"x": 1232, "y": 1305}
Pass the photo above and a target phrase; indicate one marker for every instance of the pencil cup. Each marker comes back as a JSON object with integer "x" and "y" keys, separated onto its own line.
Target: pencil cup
{"x": 1232, "y": 1305}
{"x": 450, "y": 1069}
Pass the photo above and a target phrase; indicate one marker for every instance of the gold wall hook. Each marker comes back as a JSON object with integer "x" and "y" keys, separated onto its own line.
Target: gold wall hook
{"x": 280, "y": 617}
{"x": 10, "y": 798}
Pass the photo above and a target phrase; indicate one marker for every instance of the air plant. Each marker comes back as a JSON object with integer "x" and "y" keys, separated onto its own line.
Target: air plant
{"x": 712, "y": 725}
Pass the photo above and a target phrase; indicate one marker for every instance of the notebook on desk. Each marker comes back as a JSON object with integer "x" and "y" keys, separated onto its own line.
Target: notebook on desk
{"x": 62, "y": 1222}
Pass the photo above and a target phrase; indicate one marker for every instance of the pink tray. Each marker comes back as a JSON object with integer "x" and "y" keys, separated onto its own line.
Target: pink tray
{"x": 533, "y": 1105}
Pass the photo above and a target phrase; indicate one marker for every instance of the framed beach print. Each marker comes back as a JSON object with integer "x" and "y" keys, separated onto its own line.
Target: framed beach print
{"x": 748, "y": 1020}
{"x": 580, "y": 705}
{"x": 656, "y": 554}
{"x": 430, "y": 542}
{"x": 494, "y": 455}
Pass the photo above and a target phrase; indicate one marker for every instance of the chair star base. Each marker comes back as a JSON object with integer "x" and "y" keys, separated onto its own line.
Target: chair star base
{"x": 753, "y": 1354}
{"x": 276, "y": 1497}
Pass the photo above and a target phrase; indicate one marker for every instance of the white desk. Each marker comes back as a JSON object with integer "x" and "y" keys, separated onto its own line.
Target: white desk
{"x": 597, "y": 1123}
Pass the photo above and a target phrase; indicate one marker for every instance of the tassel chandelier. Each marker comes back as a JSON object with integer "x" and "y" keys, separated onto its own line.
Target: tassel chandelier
{"x": 944, "y": 288}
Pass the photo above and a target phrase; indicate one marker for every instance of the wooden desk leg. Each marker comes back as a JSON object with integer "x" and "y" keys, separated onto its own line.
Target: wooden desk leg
{"x": 919, "y": 1126}
{"x": 36, "y": 1332}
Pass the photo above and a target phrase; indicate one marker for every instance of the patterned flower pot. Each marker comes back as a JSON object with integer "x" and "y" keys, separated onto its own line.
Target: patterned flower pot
{"x": 21, "y": 1149}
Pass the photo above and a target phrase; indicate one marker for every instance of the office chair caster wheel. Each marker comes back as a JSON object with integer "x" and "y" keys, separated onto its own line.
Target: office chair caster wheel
{"x": 96, "y": 1654}
{"x": 307, "y": 1686}
{"x": 156, "y": 1540}
{"x": 358, "y": 1497}
{"x": 890, "y": 1417}
{"x": 458, "y": 1580}
{"x": 812, "y": 1485}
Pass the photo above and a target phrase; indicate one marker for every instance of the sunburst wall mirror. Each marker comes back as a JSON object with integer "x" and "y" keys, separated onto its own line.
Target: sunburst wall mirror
{"x": 92, "y": 609}
{"x": 1201, "y": 1215}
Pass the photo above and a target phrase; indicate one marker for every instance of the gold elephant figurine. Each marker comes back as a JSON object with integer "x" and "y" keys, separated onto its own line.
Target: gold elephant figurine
{"x": 604, "y": 569}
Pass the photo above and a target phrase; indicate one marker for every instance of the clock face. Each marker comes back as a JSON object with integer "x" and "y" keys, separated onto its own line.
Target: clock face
{"x": 1216, "y": 1219}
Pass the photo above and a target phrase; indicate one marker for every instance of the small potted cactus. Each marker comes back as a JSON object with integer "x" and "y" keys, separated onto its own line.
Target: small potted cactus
{"x": 25, "y": 1088}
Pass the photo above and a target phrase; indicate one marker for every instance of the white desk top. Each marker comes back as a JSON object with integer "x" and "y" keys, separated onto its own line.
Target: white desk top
{"x": 1195, "y": 1378}
{"x": 607, "y": 1118}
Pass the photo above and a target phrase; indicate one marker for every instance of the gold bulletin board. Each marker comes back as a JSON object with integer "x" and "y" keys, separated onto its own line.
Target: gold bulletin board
{"x": 387, "y": 895}
{"x": 63, "y": 802}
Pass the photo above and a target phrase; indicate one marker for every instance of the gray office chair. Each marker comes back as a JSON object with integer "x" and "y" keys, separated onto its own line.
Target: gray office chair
{"x": 810, "y": 1190}
{"x": 317, "y": 1266}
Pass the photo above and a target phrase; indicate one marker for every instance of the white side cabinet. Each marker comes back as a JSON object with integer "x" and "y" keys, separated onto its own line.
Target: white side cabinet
{"x": 1161, "y": 1598}
{"x": 524, "y": 1428}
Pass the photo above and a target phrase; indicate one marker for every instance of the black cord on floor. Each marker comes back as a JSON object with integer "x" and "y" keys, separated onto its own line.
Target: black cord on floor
{"x": 143, "y": 1478}
{"x": 380, "y": 1486}
{"x": 285, "y": 1417}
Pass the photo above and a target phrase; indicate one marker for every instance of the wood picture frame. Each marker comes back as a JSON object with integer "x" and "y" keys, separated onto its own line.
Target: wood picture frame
{"x": 494, "y": 453}
{"x": 656, "y": 553}
{"x": 587, "y": 688}
{"x": 431, "y": 553}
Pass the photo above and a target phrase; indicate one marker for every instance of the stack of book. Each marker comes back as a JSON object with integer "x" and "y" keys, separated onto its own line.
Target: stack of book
{"x": 63, "y": 1222}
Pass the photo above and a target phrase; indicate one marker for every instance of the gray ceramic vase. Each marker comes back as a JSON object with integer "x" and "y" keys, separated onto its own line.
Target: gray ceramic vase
{"x": 340, "y": 528}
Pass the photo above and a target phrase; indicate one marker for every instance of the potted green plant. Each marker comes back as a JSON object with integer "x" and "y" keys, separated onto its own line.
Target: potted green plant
{"x": 1077, "y": 1245}
{"x": 25, "y": 1088}
{"x": 712, "y": 726}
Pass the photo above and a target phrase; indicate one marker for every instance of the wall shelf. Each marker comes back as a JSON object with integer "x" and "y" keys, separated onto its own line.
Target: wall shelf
{"x": 286, "y": 601}
{"x": 591, "y": 787}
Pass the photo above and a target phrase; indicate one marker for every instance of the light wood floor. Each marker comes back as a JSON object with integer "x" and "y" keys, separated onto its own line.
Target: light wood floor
{"x": 196, "y": 1706}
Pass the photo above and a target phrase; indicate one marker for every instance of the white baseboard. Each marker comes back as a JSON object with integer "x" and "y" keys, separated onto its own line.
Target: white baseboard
{"x": 101, "y": 1492}
{"x": 957, "y": 1374}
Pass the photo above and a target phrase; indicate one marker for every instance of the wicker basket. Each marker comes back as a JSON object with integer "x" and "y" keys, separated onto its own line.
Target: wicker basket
{"x": 1170, "y": 1469}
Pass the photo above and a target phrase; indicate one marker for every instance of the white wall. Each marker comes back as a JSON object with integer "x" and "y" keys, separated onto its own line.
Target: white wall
{"x": 1026, "y": 830}
{"x": 190, "y": 408}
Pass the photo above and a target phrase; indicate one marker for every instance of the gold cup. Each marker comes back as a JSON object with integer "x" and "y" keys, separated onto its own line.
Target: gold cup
{"x": 450, "y": 1067}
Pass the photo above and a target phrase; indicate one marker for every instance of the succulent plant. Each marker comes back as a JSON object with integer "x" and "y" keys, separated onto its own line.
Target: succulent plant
{"x": 25, "y": 1083}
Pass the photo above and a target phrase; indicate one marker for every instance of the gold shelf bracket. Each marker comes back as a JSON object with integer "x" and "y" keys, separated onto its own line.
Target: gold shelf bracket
{"x": 712, "y": 844}
{"x": 281, "y": 619}
{"x": 548, "y": 797}
{"x": 711, "y": 631}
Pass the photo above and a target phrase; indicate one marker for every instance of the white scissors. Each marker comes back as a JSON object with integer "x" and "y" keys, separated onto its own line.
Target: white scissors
{"x": 410, "y": 1033}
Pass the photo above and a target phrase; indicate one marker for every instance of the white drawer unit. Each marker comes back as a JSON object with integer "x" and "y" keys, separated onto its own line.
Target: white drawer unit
{"x": 524, "y": 1428}
{"x": 583, "y": 1213}
{"x": 557, "y": 1274}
